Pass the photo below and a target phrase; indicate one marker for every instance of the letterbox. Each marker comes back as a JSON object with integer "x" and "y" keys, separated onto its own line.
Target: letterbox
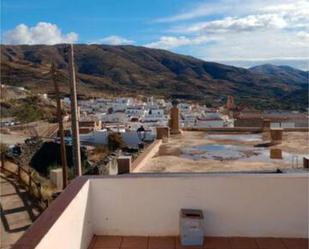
{"x": 191, "y": 227}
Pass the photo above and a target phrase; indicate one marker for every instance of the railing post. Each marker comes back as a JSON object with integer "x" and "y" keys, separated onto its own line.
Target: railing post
{"x": 46, "y": 203}
{"x": 18, "y": 172}
{"x": 39, "y": 187}
{"x": 30, "y": 180}
{"x": 2, "y": 160}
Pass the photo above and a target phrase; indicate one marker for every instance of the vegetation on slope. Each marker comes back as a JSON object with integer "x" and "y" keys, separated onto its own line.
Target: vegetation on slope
{"x": 138, "y": 70}
{"x": 29, "y": 109}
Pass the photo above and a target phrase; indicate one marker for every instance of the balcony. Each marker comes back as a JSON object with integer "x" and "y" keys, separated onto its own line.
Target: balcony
{"x": 241, "y": 207}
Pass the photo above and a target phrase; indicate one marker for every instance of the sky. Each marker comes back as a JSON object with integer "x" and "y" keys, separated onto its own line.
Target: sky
{"x": 235, "y": 32}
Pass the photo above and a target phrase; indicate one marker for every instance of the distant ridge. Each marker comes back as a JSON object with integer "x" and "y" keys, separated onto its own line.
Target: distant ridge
{"x": 137, "y": 70}
{"x": 287, "y": 74}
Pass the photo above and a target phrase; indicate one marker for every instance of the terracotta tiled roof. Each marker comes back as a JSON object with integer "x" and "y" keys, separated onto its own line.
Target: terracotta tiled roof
{"x": 136, "y": 242}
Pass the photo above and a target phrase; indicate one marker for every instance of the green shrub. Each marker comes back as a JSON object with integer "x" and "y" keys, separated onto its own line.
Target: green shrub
{"x": 28, "y": 113}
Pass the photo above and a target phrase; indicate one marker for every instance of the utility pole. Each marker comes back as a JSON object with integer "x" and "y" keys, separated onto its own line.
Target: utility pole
{"x": 61, "y": 131}
{"x": 74, "y": 115}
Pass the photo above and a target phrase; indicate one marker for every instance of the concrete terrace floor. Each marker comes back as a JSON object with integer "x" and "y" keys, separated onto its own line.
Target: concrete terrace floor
{"x": 18, "y": 211}
{"x": 120, "y": 242}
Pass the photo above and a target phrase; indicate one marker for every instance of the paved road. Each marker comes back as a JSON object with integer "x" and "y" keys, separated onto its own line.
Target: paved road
{"x": 18, "y": 211}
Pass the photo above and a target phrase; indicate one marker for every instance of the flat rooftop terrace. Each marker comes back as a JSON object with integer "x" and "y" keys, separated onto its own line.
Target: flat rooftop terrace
{"x": 135, "y": 242}
{"x": 199, "y": 151}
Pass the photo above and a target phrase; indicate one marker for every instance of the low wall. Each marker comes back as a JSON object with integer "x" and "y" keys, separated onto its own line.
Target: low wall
{"x": 75, "y": 224}
{"x": 148, "y": 153}
{"x": 254, "y": 205}
{"x": 67, "y": 223}
{"x": 305, "y": 129}
{"x": 226, "y": 129}
{"x": 242, "y": 129}
{"x": 252, "y": 122}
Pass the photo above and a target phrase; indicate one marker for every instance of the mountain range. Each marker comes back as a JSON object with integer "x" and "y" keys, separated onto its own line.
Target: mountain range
{"x": 132, "y": 70}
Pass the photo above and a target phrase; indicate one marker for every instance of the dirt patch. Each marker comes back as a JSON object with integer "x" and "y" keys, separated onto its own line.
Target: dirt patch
{"x": 295, "y": 142}
{"x": 170, "y": 157}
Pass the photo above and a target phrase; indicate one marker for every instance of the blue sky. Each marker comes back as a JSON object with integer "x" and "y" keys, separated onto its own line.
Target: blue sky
{"x": 93, "y": 20}
{"x": 236, "y": 32}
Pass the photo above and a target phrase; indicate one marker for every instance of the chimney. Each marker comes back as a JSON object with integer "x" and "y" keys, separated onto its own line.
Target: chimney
{"x": 230, "y": 104}
{"x": 174, "y": 121}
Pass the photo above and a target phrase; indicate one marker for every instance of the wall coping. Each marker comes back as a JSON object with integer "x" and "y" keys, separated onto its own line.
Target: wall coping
{"x": 243, "y": 129}
{"x": 141, "y": 157}
{"x": 32, "y": 237}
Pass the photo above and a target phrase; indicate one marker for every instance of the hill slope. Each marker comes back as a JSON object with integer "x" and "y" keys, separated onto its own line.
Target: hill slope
{"x": 139, "y": 70}
{"x": 287, "y": 74}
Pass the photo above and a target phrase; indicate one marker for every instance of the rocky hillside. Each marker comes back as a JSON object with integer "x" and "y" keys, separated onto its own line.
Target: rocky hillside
{"x": 137, "y": 70}
{"x": 287, "y": 74}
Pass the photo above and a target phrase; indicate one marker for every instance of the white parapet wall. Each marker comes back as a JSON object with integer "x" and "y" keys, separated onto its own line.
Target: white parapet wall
{"x": 251, "y": 205}
{"x": 73, "y": 229}
{"x": 257, "y": 205}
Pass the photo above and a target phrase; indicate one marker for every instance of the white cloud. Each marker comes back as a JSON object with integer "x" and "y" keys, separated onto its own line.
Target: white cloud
{"x": 42, "y": 33}
{"x": 242, "y": 30}
{"x": 304, "y": 36}
{"x": 248, "y": 23}
{"x": 239, "y": 8}
{"x": 217, "y": 7}
{"x": 260, "y": 45}
{"x": 197, "y": 11}
{"x": 295, "y": 13}
{"x": 115, "y": 40}
{"x": 169, "y": 42}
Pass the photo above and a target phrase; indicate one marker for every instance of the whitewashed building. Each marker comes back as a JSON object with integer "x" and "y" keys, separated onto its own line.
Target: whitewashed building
{"x": 130, "y": 138}
{"x": 116, "y": 117}
{"x": 214, "y": 120}
{"x": 155, "y": 115}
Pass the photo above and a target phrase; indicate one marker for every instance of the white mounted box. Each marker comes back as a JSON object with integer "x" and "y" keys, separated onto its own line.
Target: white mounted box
{"x": 191, "y": 227}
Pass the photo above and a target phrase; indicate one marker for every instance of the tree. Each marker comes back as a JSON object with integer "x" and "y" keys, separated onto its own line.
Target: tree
{"x": 115, "y": 141}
